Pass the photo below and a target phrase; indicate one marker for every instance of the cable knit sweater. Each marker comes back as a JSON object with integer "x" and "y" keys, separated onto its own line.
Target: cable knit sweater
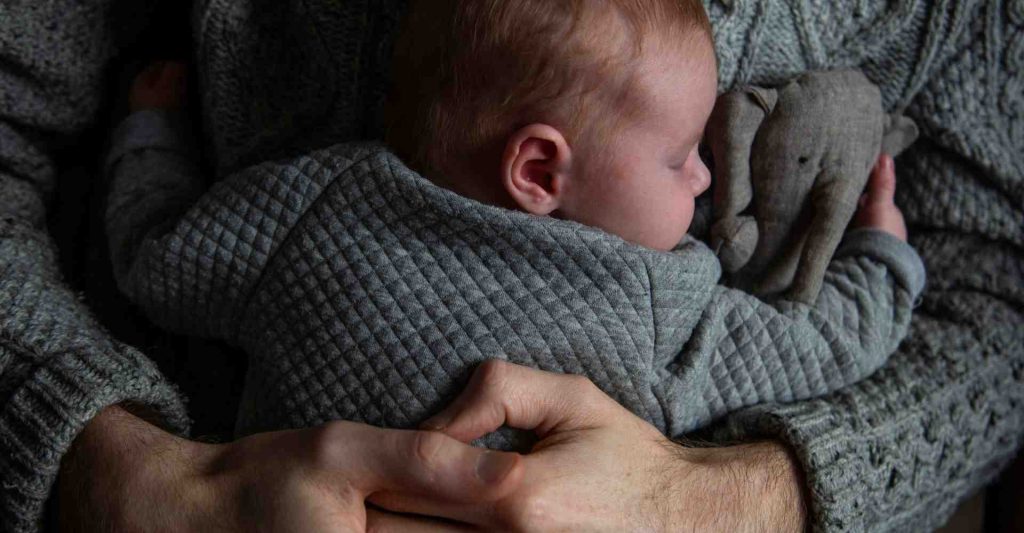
{"x": 58, "y": 367}
{"x": 897, "y": 451}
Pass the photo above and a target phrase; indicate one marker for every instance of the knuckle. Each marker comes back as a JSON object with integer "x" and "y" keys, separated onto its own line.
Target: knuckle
{"x": 427, "y": 449}
{"x": 492, "y": 374}
{"x": 327, "y": 442}
{"x": 493, "y": 370}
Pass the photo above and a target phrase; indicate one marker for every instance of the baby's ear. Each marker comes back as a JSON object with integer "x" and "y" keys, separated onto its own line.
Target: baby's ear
{"x": 535, "y": 168}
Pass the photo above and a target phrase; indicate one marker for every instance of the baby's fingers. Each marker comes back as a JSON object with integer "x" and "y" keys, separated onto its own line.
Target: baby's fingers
{"x": 173, "y": 73}
{"x": 882, "y": 183}
{"x": 877, "y": 207}
{"x": 161, "y": 85}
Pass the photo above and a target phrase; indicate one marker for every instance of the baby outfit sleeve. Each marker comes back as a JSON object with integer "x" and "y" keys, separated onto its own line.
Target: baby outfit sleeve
{"x": 191, "y": 256}
{"x": 784, "y": 351}
{"x": 154, "y": 177}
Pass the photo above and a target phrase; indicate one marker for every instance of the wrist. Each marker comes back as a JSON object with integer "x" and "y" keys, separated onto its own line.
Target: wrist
{"x": 757, "y": 486}
{"x": 123, "y": 473}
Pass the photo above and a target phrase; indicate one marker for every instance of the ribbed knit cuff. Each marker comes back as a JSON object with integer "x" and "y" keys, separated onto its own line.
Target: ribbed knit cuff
{"x": 58, "y": 370}
{"x": 902, "y": 260}
{"x": 821, "y": 443}
{"x": 53, "y": 404}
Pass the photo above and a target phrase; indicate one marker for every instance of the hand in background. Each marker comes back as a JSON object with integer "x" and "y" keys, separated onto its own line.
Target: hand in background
{"x": 597, "y": 467}
{"x": 877, "y": 208}
{"x": 161, "y": 85}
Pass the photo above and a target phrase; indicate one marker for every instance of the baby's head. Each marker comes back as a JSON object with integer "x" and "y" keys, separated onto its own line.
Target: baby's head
{"x": 588, "y": 110}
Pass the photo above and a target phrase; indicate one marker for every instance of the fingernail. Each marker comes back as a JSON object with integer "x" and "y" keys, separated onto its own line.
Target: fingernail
{"x": 890, "y": 164}
{"x": 492, "y": 467}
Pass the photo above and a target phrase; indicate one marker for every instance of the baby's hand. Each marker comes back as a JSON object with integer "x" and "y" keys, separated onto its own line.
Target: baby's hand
{"x": 877, "y": 208}
{"x": 161, "y": 85}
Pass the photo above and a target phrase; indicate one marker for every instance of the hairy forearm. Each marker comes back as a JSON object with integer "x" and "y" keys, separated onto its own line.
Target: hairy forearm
{"x": 120, "y": 458}
{"x": 748, "y": 487}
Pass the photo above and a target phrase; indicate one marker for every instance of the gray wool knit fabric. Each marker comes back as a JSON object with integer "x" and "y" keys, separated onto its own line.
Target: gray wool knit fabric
{"x": 58, "y": 367}
{"x": 361, "y": 291}
{"x": 897, "y": 451}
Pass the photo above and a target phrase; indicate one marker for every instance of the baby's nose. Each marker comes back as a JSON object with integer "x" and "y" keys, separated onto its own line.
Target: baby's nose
{"x": 701, "y": 179}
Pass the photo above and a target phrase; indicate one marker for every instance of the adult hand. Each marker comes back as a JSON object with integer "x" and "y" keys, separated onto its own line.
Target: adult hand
{"x": 877, "y": 208}
{"x": 124, "y": 474}
{"x": 599, "y": 467}
{"x": 161, "y": 85}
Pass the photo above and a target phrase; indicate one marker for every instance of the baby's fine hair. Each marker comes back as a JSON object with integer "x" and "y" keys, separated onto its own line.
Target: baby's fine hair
{"x": 468, "y": 73}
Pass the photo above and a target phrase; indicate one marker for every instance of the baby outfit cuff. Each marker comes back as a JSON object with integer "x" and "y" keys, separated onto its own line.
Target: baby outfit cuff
{"x": 160, "y": 129}
{"x": 900, "y": 257}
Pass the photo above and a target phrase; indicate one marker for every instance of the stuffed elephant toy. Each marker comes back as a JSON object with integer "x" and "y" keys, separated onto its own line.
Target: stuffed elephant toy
{"x": 790, "y": 166}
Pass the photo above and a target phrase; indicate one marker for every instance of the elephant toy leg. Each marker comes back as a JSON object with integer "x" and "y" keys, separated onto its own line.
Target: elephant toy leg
{"x": 833, "y": 210}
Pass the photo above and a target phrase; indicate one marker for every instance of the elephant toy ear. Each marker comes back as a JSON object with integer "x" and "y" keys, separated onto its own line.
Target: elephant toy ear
{"x": 900, "y": 133}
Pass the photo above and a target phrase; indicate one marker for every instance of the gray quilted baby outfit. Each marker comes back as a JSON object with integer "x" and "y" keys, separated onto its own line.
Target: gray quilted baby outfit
{"x": 364, "y": 292}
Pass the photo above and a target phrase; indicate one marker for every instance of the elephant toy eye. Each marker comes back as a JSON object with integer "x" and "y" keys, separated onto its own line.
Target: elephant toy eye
{"x": 803, "y": 160}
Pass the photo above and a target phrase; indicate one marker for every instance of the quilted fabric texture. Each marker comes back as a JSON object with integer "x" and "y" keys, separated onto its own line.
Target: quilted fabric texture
{"x": 364, "y": 292}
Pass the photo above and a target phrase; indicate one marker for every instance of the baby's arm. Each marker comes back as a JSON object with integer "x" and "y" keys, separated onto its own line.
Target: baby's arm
{"x": 190, "y": 256}
{"x": 155, "y": 178}
{"x": 152, "y": 168}
{"x": 759, "y": 352}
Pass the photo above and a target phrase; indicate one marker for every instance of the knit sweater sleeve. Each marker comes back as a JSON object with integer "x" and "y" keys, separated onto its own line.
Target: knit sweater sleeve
{"x": 785, "y": 351}
{"x": 58, "y": 367}
{"x": 899, "y": 450}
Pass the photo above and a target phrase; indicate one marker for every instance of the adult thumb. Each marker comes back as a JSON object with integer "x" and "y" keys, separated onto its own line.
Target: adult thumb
{"x": 424, "y": 463}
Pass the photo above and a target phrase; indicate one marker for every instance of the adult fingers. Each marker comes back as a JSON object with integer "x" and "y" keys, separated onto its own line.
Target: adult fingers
{"x": 378, "y": 521}
{"x": 419, "y": 462}
{"x": 500, "y": 393}
{"x": 461, "y": 513}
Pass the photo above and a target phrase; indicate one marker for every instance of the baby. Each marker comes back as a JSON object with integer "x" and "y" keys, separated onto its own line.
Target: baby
{"x": 587, "y": 110}
{"x": 559, "y": 145}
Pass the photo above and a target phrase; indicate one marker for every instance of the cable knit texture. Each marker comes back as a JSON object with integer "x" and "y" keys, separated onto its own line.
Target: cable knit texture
{"x": 58, "y": 367}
